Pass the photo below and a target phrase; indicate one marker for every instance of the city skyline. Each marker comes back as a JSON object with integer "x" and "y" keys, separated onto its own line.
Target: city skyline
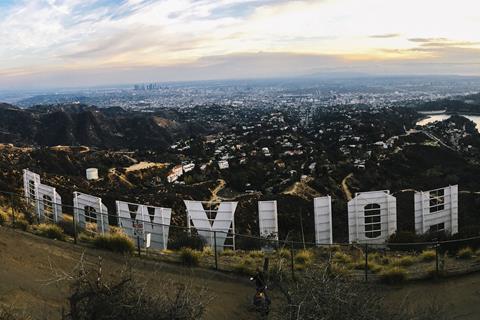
{"x": 95, "y": 42}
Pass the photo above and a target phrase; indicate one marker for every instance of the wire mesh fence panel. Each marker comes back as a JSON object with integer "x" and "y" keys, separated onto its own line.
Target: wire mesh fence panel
{"x": 152, "y": 235}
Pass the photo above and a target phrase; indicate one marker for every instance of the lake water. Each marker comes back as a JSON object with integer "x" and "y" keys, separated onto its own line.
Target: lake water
{"x": 440, "y": 117}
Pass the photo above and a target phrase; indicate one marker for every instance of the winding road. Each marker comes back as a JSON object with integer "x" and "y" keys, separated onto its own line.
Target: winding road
{"x": 345, "y": 188}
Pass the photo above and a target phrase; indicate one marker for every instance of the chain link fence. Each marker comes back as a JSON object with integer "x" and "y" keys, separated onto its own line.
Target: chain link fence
{"x": 241, "y": 253}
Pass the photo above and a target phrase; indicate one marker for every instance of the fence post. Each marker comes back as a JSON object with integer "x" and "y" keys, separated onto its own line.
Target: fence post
{"x": 366, "y": 262}
{"x": 215, "y": 249}
{"x": 74, "y": 228}
{"x": 292, "y": 260}
{"x": 138, "y": 245}
{"x": 13, "y": 210}
{"x": 437, "y": 245}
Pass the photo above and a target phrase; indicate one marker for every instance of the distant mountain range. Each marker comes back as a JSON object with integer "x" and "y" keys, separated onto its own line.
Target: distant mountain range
{"x": 77, "y": 124}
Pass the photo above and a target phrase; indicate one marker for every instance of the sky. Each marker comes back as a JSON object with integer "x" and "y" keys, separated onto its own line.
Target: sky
{"x": 48, "y": 43}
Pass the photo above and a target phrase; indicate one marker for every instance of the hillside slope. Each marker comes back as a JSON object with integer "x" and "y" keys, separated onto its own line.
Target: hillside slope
{"x": 85, "y": 125}
{"x": 26, "y": 267}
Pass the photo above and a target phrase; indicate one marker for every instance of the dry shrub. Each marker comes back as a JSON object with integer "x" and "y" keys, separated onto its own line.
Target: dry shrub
{"x": 393, "y": 275}
{"x": 67, "y": 225}
{"x": 207, "y": 251}
{"x": 428, "y": 255}
{"x": 227, "y": 253}
{"x": 3, "y": 219}
{"x": 465, "y": 253}
{"x": 114, "y": 242}
{"x": 303, "y": 257}
{"x": 190, "y": 257}
{"x": 51, "y": 231}
{"x": 339, "y": 270}
{"x": 371, "y": 266}
{"x": 245, "y": 266}
{"x": 283, "y": 253}
{"x": 120, "y": 295}
{"x": 405, "y": 261}
{"x": 21, "y": 224}
{"x": 318, "y": 295}
{"x": 341, "y": 257}
{"x": 256, "y": 254}
{"x": 9, "y": 313}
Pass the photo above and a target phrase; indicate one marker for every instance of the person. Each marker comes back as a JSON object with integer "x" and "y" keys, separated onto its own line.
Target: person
{"x": 259, "y": 279}
{"x": 261, "y": 286}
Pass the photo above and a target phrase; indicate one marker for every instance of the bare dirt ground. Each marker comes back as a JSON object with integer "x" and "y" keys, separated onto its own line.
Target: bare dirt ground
{"x": 145, "y": 165}
{"x": 26, "y": 264}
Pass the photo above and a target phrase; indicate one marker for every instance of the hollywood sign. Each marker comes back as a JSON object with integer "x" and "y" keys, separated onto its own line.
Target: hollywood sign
{"x": 372, "y": 216}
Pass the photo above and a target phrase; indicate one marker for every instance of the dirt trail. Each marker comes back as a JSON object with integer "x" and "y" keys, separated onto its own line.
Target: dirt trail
{"x": 346, "y": 190}
{"x": 25, "y": 265}
{"x": 215, "y": 198}
{"x": 303, "y": 190}
{"x": 120, "y": 176}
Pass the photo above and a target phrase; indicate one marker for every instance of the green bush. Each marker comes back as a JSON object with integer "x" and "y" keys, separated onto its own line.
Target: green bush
{"x": 51, "y": 231}
{"x": 465, "y": 253}
{"x": 114, "y": 242}
{"x": 190, "y": 257}
{"x": 303, "y": 257}
{"x": 428, "y": 255}
{"x": 393, "y": 275}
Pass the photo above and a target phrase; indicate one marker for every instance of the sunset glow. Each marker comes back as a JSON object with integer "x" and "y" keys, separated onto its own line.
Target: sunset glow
{"x": 47, "y": 38}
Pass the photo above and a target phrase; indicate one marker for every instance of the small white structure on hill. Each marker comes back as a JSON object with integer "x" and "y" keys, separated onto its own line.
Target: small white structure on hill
{"x": 437, "y": 210}
{"x": 268, "y": 219}
{"x": 322, "y": 209}
{"x": 221, "y": 219}
{"x": 90, "y": 209}
{"x": 372, "y": 217}
{"x": 138, "y": 220}
{"x": 175, "y": 173}
{"x": 92, "y": 174}
{"x": 223, "y": 164}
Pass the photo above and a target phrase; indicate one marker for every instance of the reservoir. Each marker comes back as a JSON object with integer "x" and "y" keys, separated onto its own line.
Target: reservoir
{"x": 440, "y": 117}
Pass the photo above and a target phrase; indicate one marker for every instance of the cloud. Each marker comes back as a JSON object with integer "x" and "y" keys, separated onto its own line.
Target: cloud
{"x": 385, "y": 36}
{"x": 427, "y": 40}
{"x": 43, "y": 39}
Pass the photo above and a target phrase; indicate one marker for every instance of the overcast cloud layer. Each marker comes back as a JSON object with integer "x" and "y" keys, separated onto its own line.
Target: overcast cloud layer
{"x": 89, "y": 42}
